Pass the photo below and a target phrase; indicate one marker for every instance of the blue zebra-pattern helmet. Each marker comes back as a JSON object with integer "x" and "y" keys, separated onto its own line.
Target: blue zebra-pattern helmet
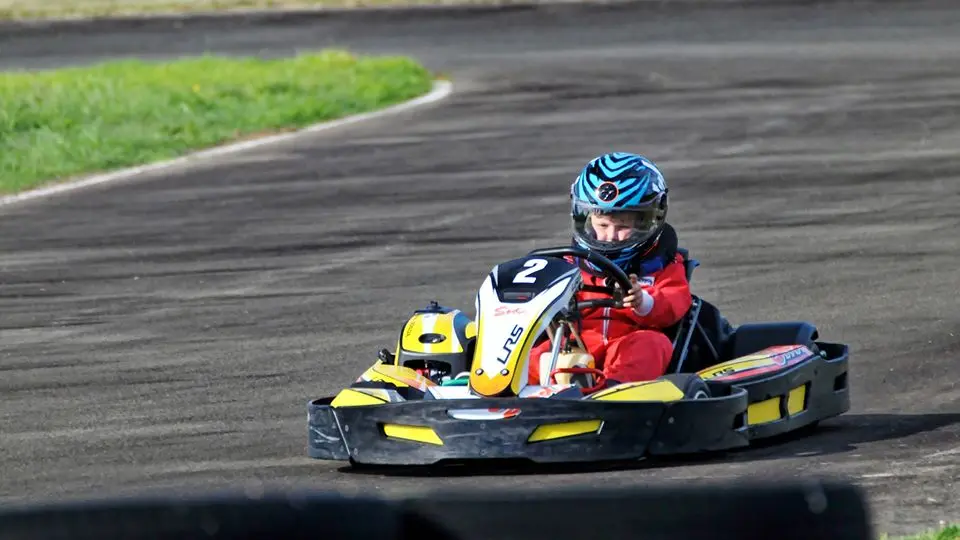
{"x": 619, "y": 206}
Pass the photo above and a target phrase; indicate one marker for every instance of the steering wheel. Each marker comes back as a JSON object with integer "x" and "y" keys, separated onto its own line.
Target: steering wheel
{"x": 600, "y": 383}
{"x": 608, "y": 269}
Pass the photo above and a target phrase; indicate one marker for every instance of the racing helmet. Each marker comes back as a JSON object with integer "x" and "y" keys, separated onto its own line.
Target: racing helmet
{"x": 618, "y": 206}
{"x": 437, "y": 341}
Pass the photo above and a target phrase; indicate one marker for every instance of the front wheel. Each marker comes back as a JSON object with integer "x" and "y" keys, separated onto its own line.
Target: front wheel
{"x": 692, "y": 386}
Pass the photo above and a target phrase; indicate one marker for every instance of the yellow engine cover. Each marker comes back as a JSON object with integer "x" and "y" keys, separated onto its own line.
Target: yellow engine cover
{"x": 437, "y": 335}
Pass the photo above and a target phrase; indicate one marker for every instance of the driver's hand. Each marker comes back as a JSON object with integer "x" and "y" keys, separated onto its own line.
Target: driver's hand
{"x": 635, "y": 295}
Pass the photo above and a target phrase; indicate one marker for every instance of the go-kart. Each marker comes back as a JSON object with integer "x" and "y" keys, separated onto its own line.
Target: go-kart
{"x": 457, "y": 389}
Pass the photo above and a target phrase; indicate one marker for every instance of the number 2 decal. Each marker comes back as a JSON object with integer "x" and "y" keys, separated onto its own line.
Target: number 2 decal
{"x": 532, "y": 266}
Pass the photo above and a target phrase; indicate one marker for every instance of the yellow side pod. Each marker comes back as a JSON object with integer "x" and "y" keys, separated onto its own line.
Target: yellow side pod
{"x": 735, "y": 365}
{"x": 358, "y": 397}
{"x": 659, "y": 391}
{"x": 398, "y": 375}
{"x": 662, "y": 391}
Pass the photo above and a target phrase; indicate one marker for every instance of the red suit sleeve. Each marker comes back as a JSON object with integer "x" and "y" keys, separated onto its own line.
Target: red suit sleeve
{"x": 666, "y": 300}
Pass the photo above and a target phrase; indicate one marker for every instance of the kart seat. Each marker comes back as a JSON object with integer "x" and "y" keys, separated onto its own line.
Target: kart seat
{"x": 704, "y": 337}
{"x": 689, "y": 264}
{"x": 710, "y": 330}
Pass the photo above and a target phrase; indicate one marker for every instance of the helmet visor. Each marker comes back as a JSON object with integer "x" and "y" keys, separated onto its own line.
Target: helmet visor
{"x": 611, "y": 230}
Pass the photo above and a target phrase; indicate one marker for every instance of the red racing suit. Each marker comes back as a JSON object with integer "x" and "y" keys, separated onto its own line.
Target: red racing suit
{"x": 627, "y": 344}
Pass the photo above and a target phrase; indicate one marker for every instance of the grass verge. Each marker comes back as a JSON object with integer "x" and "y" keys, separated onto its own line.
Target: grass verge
{"x": 951, "y": 532}
{"x": 71, "y": 121}
{"x": 66, "y": 9}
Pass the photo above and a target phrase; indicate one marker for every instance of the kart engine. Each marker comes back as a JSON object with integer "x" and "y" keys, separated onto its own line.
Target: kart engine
{"x": 435, "y": 341}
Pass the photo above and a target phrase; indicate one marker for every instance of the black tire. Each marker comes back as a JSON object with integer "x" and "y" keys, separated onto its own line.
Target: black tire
{"x": 691, "y": 384}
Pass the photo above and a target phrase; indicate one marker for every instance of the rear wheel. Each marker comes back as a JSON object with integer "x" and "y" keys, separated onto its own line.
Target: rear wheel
{"x": 692, "y": 386}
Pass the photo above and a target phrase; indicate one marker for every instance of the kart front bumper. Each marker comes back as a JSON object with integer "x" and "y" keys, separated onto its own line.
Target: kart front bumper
{"x": 426, "y": 432}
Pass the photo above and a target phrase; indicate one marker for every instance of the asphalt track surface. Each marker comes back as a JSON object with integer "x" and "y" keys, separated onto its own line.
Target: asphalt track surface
{"x": 166, "y": 332}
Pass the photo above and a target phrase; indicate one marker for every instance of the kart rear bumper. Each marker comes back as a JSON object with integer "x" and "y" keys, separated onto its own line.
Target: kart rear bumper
{"x": 825, "y": 393}
{"x": 425, "y": 432}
